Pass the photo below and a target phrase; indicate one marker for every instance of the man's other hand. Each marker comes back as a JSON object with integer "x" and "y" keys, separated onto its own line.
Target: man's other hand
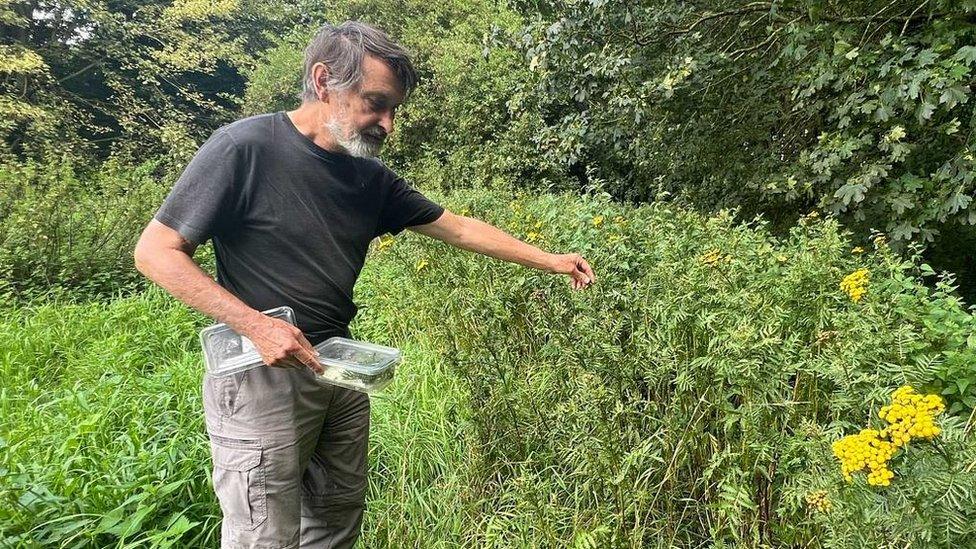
{"x": 576, "y": 267}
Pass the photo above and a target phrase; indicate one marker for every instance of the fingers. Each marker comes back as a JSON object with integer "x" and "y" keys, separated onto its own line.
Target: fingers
{"x": 585, "y": 267}
{"x": 286, "y": 347}
{"x": 307, "y": 355}
{"x": 301, "y": 354}
{"x": 582, "y": 274}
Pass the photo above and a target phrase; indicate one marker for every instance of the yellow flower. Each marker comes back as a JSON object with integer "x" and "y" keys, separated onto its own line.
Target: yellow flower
{"x": 782, "y": 258}
{"x": 910, "y": 415}
{"x": 711, "y": 258}
{"x": 597, "y": 221}
{"x": 819, "y": 501}
{"x": 464, "y": 211}
{"x": 855, "y": 285}
{"x": 419, "y": 266}
{"x": 857, "y": 250}
{"x": 533, "y": 236}
{"x": 385, "y": 242}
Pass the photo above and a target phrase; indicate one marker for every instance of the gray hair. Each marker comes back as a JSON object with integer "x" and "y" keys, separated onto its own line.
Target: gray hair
{"x": 341, "y": 49}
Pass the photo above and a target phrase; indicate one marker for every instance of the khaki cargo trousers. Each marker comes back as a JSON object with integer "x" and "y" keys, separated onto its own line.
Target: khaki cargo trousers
{"x": 289, "y": 459}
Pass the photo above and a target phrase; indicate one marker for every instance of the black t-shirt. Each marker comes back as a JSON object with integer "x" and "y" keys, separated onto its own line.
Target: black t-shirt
{"x": 290, "y": 221}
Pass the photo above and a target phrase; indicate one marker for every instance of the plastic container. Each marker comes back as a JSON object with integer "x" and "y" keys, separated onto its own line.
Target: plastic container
{"x": 226, "y": 352}
{"x": 356, "y": 365}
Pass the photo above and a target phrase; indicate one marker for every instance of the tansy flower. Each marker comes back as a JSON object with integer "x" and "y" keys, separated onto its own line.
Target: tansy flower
{"x": 819, "y": 501}
{"x": 865, "y": 450}
{"x": 910, "y": 415}
{"x": 855, "y": 285}
{"x": 597, "y": 221}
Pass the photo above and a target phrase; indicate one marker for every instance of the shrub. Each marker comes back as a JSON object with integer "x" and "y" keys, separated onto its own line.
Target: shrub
{"x": 69, "y": 230}
{"x": 692, "y": 396}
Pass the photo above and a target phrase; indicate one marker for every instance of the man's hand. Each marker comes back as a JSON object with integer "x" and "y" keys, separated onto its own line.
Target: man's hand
{"x": 576, "y": 267}
{"x": 282, "y": 345}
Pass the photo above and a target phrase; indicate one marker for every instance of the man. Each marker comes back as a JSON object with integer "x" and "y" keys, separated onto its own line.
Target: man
{"x": 292, "y": 201}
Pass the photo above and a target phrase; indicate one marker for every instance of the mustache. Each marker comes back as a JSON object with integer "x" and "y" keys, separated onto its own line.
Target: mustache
{"x": 378, "y": 133}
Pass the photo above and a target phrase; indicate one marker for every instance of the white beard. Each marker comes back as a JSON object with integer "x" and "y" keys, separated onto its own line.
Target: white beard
{"x": 355, "y": 143}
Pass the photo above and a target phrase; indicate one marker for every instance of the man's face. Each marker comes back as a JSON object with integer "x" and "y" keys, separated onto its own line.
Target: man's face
{"x": 362, "y": 118}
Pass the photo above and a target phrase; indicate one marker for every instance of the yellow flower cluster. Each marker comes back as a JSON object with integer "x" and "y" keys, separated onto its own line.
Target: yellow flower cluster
{"x": 911, "y": 415}
{"x": 598, "y": 220}
{"x": 819, "y": 501}
{"x": 865, "y": 450}
{"x": 855, "y": 284}
{"x": 857, "y": 250}
{"x": 714, "y": 257}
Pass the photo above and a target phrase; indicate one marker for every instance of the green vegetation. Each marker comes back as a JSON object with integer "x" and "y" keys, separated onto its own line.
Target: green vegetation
{"x": 768, "y": 192}
{"x": 690, "y": 398}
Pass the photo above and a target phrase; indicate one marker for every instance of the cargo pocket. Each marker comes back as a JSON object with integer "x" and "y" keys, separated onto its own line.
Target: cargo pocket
{"x": 238, "y": 478}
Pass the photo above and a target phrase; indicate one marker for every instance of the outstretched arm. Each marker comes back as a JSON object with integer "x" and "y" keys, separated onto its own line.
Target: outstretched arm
{"x": 477, "y": 236}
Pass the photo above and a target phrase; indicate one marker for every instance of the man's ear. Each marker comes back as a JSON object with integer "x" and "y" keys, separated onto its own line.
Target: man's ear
{"x": 320, "y": 75}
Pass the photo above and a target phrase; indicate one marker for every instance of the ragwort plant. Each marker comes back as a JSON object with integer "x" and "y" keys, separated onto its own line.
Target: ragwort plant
{"x": 691, "y": 397}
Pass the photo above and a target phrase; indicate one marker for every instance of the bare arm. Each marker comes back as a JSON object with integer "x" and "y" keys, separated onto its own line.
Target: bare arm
{"x": 477, "y": 236}
{"x": 166, "y": 258}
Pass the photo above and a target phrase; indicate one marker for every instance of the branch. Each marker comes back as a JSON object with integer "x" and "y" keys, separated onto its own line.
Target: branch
{"x": 748, "y": 8}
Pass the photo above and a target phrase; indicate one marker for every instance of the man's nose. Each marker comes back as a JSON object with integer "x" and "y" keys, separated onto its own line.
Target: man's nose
{"x": 386, "y": 122}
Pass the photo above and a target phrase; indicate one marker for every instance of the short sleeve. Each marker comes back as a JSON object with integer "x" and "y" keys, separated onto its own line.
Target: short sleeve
{"x": 404, "y": 206}
{"x": 205, "y": 197}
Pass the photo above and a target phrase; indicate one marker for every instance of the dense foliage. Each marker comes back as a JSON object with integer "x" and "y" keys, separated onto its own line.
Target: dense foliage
{"x": 861, "y": 108}
{"x": 135, "y": 77}
{"x": 689, "y": 399}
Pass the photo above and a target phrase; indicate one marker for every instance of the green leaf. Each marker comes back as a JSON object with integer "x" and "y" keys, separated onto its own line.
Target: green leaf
{"x": 966, "y": 54}
{"x": 963, "y": 384}
{"x": 956, "y": 95}
{"x": 851, "y": 192}
{"x": 924, "y": 112}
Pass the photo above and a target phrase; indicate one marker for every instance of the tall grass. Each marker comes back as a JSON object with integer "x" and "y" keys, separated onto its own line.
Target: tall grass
{"x": 102, "y": 441}
{"x": 688, "y": 399}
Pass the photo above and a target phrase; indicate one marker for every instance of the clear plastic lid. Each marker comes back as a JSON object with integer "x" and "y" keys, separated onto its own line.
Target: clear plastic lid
{"x": 357, "y": 365}
{"x": 227, "y": 352}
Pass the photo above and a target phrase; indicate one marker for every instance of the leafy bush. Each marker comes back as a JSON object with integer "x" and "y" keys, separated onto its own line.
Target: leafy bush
{"x": 863, "y": 108}
{"x": 67, "y": 230}
{"x": 691, "y": 397}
